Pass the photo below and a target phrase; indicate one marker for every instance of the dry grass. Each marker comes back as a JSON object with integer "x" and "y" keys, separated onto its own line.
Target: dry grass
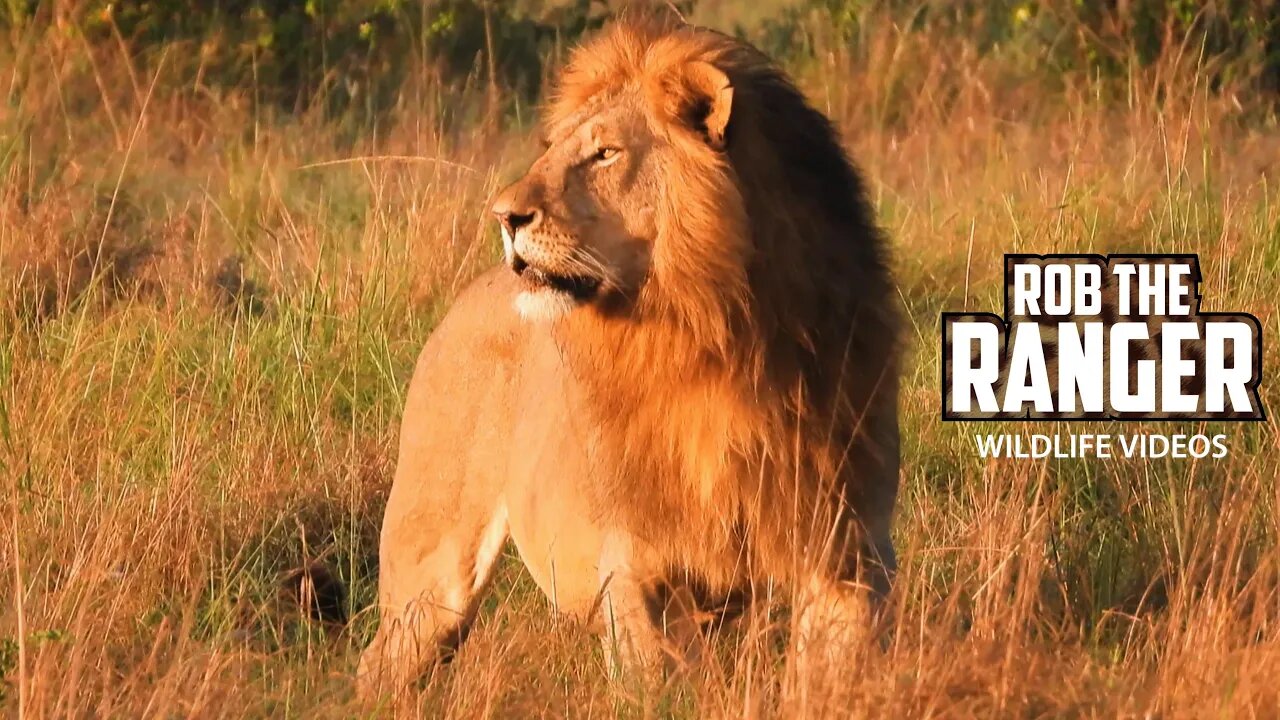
{"x": 206, "y": 336}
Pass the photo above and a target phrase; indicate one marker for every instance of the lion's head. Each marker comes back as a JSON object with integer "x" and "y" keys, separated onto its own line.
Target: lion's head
{"x": 686, "y": 178}
{"x": 635, "y": 164}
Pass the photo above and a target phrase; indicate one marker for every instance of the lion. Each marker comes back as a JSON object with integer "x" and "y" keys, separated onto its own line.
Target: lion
{"x": 681, "y": 383}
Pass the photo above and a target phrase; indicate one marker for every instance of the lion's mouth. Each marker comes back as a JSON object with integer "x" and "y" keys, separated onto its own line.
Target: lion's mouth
{"x": 580, "y": 287}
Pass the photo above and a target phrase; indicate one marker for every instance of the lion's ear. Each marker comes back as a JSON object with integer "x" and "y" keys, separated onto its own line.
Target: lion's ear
{"x": 709, "y": 102}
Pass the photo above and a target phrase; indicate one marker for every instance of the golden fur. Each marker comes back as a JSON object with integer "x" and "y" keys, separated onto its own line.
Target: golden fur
{"x": 710, "y": 404}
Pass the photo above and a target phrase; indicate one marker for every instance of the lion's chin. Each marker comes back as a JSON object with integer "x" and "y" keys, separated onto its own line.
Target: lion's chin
{"x": 544, "y": 304}
{"x": 546, "y": 295}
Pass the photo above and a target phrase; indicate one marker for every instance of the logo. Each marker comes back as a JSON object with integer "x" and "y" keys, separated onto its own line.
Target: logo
{"x": 1087, "y": 337}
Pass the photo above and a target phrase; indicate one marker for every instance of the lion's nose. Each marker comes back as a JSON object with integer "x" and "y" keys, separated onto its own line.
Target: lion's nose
{"x": 514, "y": 221}
{"x": 514, "y": 217}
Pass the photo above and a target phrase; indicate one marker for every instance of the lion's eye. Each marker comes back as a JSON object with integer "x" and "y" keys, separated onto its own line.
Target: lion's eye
{"x": 605, "y": 154}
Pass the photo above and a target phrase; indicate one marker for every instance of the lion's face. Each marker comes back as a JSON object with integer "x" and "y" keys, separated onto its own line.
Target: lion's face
{"x": 582, "y": 227}
{"x": 579, "y": 227}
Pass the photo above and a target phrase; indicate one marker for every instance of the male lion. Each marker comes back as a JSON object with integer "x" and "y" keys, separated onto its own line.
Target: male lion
{"x": 682, "y": 383}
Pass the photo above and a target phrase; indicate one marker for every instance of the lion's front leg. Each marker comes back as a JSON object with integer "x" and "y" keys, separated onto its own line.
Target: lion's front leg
{"x": 652, "y": 621}
{"x": 838, "y": 622}
{"x": 437, "y": 556}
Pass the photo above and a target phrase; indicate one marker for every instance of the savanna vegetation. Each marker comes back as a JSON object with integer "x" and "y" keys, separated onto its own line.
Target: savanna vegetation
{"x": 226, "y": 229}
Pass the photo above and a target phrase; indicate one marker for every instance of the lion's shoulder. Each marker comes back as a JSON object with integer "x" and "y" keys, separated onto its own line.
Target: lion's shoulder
{"x": 481, "y": 325}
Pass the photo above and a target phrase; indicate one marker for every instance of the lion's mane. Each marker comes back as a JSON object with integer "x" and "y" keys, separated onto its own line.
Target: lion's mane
{"x": 754, "y": 386}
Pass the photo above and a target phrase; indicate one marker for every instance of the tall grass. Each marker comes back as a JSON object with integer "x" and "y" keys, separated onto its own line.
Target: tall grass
{"x": 209, "y": 310}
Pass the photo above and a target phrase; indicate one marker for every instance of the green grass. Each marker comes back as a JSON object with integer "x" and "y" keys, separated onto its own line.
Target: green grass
{"x": 166, "y": 457}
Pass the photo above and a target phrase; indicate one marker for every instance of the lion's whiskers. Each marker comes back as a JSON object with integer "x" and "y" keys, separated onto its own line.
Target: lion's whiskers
{"x": 586, "y": 261}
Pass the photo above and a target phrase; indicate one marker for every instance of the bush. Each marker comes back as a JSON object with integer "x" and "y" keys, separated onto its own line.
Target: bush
{"x": 1239, "y": 39}
{"x": 346, "y": 54}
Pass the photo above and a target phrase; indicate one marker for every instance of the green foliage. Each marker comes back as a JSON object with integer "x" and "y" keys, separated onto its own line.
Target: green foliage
{"x": 1239, "y": 36}
{"x": 342, "y": 53}
{"x": 345, "y": 55}
{"x": 9, "y": 653}
{"x": 8, "y": 663}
